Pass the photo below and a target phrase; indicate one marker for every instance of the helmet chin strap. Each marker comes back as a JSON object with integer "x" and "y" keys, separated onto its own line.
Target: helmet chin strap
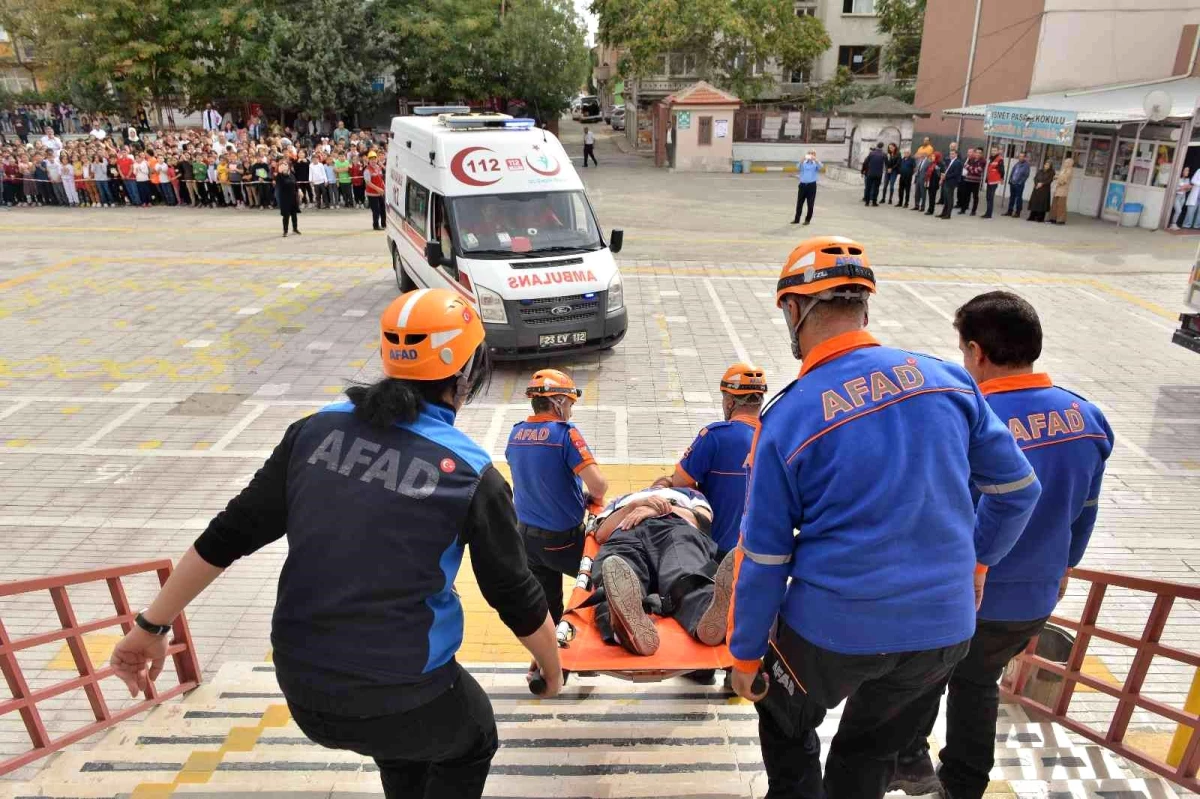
{"x": 560, "y": 404}
{"x": 462, "y": 386}
{"x": 806, "y": 306}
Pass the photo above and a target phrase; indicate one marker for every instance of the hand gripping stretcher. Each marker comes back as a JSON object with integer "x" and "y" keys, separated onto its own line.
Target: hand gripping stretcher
{"x": 582, "y": 650}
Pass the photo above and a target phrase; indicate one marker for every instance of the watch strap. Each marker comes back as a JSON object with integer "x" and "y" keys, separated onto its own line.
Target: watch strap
{"x": 154, "y": 629}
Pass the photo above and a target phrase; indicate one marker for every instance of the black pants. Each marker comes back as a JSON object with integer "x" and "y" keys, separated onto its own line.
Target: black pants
{"x": 871, "y": 191}
{"x": 344, "y": 191}
{"x": 184, "y": 196}
{"x": 971, "y": 708}
{"x": 305, "y": 191}
{"x": 552, "y": 554}
{"x": 286, "y": 216}
{"x": 589, "y": 151}
{"x": 379, "y": 221}
{"x": 991, "y": 198}
{"x": 360, "y": 195}
{"x": 440, "y": 749}
{"x": 905, "y": 189}
{"x": 661, "y": 552}
{"x": 805, "y": 193}
{"x": 949, "y": 194}
{"x": 968, "y": 195}
{"x": 888, "y": 697}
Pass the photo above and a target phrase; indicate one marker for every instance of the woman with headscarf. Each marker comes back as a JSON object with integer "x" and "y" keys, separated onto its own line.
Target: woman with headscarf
{"x": 932, "y": 177}
{"x": 1039, "y": 201}
{"x": 1062, "y": 187}
{"x": 285, "y": 195}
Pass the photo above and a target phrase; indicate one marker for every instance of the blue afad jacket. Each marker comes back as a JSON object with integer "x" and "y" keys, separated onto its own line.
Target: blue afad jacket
{"x": 546, "y": 456}
{"x": 860, "y": 493}
{"x": 716, "y": 464}
{"x": 1068, "y": 440}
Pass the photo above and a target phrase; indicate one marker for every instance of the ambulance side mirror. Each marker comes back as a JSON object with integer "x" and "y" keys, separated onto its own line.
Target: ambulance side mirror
{"x": 433, "y": 253}
{"x": 616, "y": 241}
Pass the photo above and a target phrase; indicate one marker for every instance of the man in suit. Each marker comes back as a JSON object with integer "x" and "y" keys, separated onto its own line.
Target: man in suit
{"x": 873, "y": 168}
{"x": 950, "y": 183}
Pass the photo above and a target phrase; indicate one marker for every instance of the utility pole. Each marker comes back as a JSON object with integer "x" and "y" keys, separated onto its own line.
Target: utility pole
{"x": 970, "y": 65}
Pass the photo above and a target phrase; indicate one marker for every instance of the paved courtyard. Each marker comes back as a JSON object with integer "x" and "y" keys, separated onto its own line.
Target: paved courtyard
{"x": 149, "y": 360}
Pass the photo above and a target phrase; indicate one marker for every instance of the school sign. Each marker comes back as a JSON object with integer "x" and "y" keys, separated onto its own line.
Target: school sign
{"x": 1029, "y": 124}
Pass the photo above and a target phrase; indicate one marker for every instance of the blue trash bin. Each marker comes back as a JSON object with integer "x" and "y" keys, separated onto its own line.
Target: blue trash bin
{"x": 1131, "y": 214}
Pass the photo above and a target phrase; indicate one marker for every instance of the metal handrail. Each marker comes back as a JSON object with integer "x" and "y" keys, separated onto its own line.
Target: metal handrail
{"x": 25, "y": 701}
{"x": 1129, "y": 696}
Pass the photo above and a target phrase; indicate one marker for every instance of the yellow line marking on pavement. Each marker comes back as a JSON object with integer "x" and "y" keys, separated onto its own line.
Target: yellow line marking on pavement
{"x": 202, "y": 763}
{"x": 1094, "y": 667}
{"x": 1133, "y": 299}
{"x": 34, "y": 275}
{"x": 99, "y": 647}
{"x": 152, "y": 444}
{"x": 70, "y": 410}
{"x": 17, "y": 442}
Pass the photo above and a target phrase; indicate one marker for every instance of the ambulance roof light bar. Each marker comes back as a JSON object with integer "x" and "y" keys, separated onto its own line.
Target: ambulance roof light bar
{"x": 434, "y": 110}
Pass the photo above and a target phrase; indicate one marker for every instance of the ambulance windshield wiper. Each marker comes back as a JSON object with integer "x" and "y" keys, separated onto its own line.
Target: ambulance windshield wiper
{"x": 500, "y": 253}
{"x": 560, "y": 248}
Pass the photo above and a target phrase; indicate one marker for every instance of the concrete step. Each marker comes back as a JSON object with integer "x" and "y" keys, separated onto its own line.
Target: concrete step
{"x": 602, "y": 737}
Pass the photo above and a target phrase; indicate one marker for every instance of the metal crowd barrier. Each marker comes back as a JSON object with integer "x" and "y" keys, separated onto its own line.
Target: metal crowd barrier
{"x": 1183, "y": 759}
{"x": 25, "y": 701}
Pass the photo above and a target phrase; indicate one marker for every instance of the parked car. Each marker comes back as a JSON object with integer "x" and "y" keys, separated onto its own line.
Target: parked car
{"x": 575, "y": 106}
{"x": 589, "y": 109}
{"x": 618, "y": 119}
{"x": 608, "y": 112}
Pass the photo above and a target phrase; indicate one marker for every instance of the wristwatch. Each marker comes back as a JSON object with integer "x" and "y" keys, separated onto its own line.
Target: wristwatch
{"x": 154, "y": 629}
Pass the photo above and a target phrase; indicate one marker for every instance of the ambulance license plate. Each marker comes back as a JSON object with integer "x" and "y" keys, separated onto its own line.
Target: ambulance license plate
{"x": 562, "y": 339}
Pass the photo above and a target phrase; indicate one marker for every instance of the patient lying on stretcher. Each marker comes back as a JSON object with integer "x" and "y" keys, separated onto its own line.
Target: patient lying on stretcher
{"x": 657, "y": 556}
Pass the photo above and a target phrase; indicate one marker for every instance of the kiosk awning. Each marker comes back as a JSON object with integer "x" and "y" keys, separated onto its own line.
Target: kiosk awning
{"x": 1104, "y": 105}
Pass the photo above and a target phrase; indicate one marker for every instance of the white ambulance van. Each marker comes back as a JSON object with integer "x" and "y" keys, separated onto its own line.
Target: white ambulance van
{"x": 491, "y": 207}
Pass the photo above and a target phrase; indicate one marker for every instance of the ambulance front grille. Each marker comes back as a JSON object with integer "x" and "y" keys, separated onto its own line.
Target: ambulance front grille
{"x": 540, "y": 311}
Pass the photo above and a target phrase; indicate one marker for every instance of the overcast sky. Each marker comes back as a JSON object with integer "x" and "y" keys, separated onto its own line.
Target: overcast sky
{"x": 582, "y": 7}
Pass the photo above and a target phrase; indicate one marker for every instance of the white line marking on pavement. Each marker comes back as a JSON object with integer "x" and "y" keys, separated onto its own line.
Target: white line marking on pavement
{"x": 734, "y": 338}
{"x": 197, "y": 344}
{"x": 495, "y": 428}
{"x": 248, "y": 311}
{"x": 112, "y": 425}
{"x": 130, "y": 387}
{"x": 925, "y": 301}
{"x": 621, "y": 433}
{"x": 106, "y": 400}
{"x": 16, "y": 408}
{"x": 239, "y": 428}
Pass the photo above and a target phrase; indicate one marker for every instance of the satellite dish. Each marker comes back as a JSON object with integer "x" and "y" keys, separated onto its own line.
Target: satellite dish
{"x": 1157, "y": 105}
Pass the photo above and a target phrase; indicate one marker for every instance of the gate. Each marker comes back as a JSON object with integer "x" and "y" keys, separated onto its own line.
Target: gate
{"x": 1185, "y": 751}
{"x": 25, "y": 700}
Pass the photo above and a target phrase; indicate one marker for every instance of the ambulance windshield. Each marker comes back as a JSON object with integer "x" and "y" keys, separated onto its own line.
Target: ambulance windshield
{"x": 525, "y": 225}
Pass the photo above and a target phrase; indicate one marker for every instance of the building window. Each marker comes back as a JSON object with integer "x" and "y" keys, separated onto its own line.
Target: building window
{"x": 15, "y": 80}
{"x": 862, "y": 60}
{"x": 806, "y": 11}
{"x": 801, "y": 75}
{"x": 704, "y": 138}
{"x": 858, "y": 6}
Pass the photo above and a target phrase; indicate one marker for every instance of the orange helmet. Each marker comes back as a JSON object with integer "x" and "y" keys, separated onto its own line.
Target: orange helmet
{"x": 742, "y": 379}
{"x": 428, "y": 334}
{"x": 822, "y": 263}
{"x": 552, "y": 383}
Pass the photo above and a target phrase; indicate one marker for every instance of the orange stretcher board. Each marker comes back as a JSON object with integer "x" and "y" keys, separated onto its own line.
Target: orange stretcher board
{"x": 581, "y": 648}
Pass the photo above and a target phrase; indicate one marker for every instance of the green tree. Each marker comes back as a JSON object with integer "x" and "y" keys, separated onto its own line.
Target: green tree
{"x": 903, "y": 21}
{"x": 541, "y": 55}
{"x": 840, "y": 89}
{"x": 321, "y": 56}
{"x": 444, "y": 48}
{"x": 730, "y": 41}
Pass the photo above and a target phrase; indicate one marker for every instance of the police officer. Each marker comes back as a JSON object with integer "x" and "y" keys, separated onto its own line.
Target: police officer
{"x": 551, "y": 464}
{"x": 1068, "y": 440}
{"x": 715, "y": 463}
{"x": 860, "y": 534}
{"x": 378, "y": 497}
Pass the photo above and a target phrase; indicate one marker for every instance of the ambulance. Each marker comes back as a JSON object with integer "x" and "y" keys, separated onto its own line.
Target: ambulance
{"x": 490, "y": 206}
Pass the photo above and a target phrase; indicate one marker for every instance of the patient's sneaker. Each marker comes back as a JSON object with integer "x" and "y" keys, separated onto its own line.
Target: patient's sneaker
{"x": 634, "y": 629}
{"x": 711, "y": 629}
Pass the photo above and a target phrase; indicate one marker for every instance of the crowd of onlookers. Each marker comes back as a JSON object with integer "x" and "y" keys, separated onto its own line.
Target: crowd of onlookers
{"x": 926, "y": 178}
{"x": 221, "y": 163}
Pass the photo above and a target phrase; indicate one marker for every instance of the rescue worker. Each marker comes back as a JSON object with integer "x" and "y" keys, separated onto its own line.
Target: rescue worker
{"x": 871, "y": 454}
{"x": 378, "y": 497}
{"x": 657, "y": 556}
{"x": 551, "y": 464}
{"x": 1068, "y": 440}
{"x": 715, "y": 463}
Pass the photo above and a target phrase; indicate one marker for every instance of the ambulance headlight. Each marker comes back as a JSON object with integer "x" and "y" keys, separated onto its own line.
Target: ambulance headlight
{"x": 491, "y": 306}
{"x": 616, "y": 294}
